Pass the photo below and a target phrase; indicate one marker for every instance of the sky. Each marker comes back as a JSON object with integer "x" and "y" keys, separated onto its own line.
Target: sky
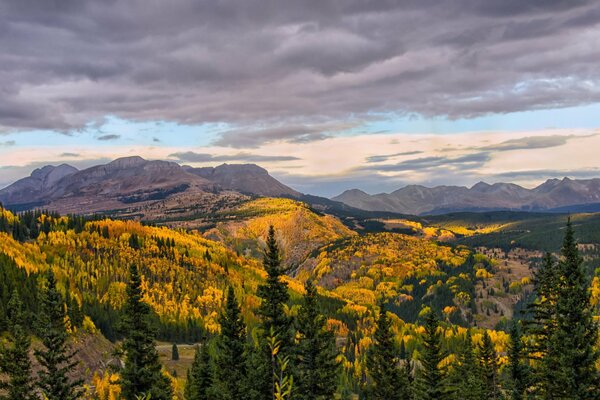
{"x": 327, "y": 95}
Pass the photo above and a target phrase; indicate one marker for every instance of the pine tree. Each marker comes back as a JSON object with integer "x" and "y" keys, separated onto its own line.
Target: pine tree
{"x": 465, "y": 378}
{"x": 317, "y": 368}
{"x": 542, "y": 326}
{"x": 431, "y": 384}
{"x": 388, "y": 378}
{"x": 573, "y": 354}
{"x": 14, "y": 359}
{"x": 488, "y": 363}
{"x": 56, "y": 357}
{"x": 517, "y": 370}
{"x": 174, "y": 352}
{"x": 230, "y": 357}
{"x": 200, "y": 376}
{"x": 274, "y": 295}
{"x": 142, "y": 374}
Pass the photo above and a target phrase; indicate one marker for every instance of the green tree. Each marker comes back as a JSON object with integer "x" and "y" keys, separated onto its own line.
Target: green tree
{"x": 431, "y": 383}
{"x": 142, "y": 373}
{"x": 274, "y": 295}
{"x": 317, "y": 369}
{"x": 465, "y": 378}
{"x": 14, "y": 359}
{"x": 573, "y": 352}
{"x": 200, "y": 376}
{"x": 517, "y": 370}
{"x": 230, "y": 357}
{"x": 488, "y": 363}
{"x": 174, "y": 352}
{"x": 56, "y": 357}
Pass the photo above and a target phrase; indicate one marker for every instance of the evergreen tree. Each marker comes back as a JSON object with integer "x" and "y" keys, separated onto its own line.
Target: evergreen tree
{"x": 573, "y": 354}
{"x": 14, "y": 359}
{"x": 230, "y": 357}
{"x": 542, "y": 326}
{"x": 317, "y": 368}
{"x": 200, "y": 376}
{"x": 488, "y": 362}
{"x": 431, "y": 384}
{"x": 517, "y": 370}
{"x": 274, "y": 295}
{"x": 388, "y": 379}
{"x": 56, "y": 357}
{"x": 465, "y": 378}
{"x": 142, "y": 374}
{"x": 174, "y": 352}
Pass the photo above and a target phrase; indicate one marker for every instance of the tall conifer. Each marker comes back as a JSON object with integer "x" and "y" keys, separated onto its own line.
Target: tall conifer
{"x": 142, "y": 374}
{"x": 198, "y": 385}
{"x": 14, "y": 359}
{"x": 230, "y": 358}
{"x": 517, "y": 369}
{"x": 488, "y": 362}
{"x": 317, "y": 368}
{"x": 56, "y": 357}
{"x": 431, "y": 383}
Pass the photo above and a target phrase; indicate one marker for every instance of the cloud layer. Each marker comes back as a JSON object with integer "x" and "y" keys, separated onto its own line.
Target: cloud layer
{"x": 293, "y": 68}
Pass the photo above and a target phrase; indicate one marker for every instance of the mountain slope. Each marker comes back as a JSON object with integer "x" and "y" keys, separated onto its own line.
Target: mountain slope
{"x": 245, "y": 178}
{"x": 420, "y": 200}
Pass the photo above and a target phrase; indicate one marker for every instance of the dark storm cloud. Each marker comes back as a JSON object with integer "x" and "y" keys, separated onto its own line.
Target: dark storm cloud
{"x": 108, "y": 137}
{"x": 190, "y": 156}
{"x": 297, "y": 64}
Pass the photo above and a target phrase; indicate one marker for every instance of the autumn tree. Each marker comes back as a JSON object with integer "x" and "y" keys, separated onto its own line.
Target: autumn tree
{"x": 15, "y": 365}
{"x": 230, "y": 356}
{"x": 317, "y": 369}
{"x": 142, "y": 373}
{"x": 56, "y": 357}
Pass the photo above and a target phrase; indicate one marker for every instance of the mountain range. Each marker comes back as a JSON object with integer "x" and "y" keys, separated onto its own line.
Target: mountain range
{"x": 554, "y": 195}
{"x": 136, "y": 183}
{"x": 154, "y": 189}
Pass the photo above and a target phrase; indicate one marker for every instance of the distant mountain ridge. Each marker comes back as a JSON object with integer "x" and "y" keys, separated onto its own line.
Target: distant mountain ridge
{"x": 559, "y": 195}
{"x": 135, "y": 181}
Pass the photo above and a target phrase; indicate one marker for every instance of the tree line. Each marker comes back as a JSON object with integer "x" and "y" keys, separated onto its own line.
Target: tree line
{"x": 552, "y": 354}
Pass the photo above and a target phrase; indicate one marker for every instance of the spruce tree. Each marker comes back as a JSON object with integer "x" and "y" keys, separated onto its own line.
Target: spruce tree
{"x": 431, "y": 383}
{"x": 488, "y": 363}
{"x": 142, "y": 373}
{"x": 174, "y": 352}
{"x": 542, "y": 326}
{"x": 465, "y": 378}
{"x": 199, "y": 381}
{"x": 388, "y": 380}
{"x": 56, "y": 357}
{"x": 517, "y": 370}
{"x": 317, "y": 369}
{"x": 15, "y": 364}
{"x": 274, "y": 295}
{"x": 230, "y": 357}
{"x": 573, "y": 342}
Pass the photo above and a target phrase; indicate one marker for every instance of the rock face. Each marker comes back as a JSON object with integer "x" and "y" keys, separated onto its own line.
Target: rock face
{"x": 31, "y": 189}
{"x": 245, "y": 178}
{"x": 414, "y": 199}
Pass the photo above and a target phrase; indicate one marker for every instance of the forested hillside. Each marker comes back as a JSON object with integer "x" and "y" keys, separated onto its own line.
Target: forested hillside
{"x": 380, "y": 300}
